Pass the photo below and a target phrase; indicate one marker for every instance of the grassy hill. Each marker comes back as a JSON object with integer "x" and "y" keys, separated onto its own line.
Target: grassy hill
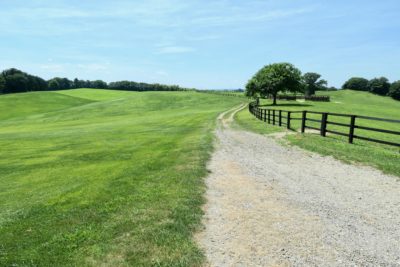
{"x": 386, "y": 158}
{"x": 98, "y": 177}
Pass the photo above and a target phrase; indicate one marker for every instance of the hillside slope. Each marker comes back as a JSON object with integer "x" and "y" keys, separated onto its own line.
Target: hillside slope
{"x": 104, "y": 177}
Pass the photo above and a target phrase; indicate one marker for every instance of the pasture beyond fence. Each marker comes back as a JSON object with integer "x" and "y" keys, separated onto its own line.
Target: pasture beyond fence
{"x": 286, "y": 117}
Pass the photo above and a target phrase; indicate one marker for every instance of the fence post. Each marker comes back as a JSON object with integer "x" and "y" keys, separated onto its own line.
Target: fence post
{"x": 269, "y": 116}
{"x": 288, "y": 120}
{"x": 280, "y": 117}
{"x": 273, "y": 116}
{"x": 323, "y": 124}
{"x": 351, "y": 132}
{"x": 265, "y": 115}
{"x": 303, "y": 121}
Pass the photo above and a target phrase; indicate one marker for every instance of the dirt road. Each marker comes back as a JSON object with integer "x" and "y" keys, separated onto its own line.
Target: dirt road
{"x": 271, "y": 205}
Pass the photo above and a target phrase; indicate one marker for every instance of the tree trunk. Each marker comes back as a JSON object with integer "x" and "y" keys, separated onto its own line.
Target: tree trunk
{"x": 274, "y": 99}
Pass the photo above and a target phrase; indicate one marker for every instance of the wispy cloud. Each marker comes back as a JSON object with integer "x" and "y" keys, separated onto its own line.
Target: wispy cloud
{"x": 232, "y": 19}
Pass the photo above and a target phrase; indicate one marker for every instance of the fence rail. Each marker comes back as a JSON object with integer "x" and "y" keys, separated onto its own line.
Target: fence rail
{"x": 277, "y": 117}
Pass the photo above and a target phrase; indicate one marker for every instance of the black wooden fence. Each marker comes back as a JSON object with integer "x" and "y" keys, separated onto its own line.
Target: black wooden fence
{"x": 285, "y": 117}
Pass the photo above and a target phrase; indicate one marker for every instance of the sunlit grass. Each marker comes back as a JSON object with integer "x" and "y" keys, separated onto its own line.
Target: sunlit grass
{"x": 383, "y": 157}
{"x": 97, "y": 177}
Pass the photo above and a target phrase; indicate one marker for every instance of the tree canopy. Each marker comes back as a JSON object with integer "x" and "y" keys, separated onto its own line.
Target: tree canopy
{"x": 15, "y": 81}
{"x": 312, "y": 83}
{"x": 356, "y": 83}
{"x": 274, "y": 78}
{"x": 379, "y": 86}
{"x": 394, "y": 91}
{"x": 2, "y": 84}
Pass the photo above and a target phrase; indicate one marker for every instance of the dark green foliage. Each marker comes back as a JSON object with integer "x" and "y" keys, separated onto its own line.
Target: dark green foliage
{"x": 98, "y": 84}
{"x": 251, "y": 88}
{"x": 15, "y": 81}
{"x": 274, "y": 78}
{"x": 379, "y": 86}
{"x": 135, "y": 86}
{"x": 394, "y": 91}
{"x": 60, "y": 83}
{"x": 53, "y": 85}
{"x": 312, "y": 83}
{"x": 2, "y": 84}
{"x": 356, "y": 83}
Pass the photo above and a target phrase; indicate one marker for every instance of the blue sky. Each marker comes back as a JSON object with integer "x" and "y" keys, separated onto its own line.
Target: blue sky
{"x": 202, "y": 44}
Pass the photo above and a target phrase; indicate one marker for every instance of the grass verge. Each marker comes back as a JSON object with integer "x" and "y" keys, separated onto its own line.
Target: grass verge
{"x": 383, "y": 157}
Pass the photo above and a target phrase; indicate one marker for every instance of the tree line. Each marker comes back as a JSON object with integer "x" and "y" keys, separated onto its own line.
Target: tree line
{"x": 379, "y": 86}
{"x": 16, "y": 81}
{"x": 285, "y": 77}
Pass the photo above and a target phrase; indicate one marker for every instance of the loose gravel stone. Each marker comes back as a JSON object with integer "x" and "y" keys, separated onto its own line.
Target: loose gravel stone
{"x": 270, "y": 205}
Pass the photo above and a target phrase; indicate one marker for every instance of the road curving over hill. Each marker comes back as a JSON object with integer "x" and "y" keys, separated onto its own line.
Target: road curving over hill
{"x": 272, "y": 205}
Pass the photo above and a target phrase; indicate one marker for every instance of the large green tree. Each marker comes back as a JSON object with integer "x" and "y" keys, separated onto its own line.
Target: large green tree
{"x": 356, "y": 83}
{"x": 14, "y": 81}
{"x": 274, "y": 78}
{"x": 394, "y": 91}
{"x": 2, "y": 84}
{"x": 379, "y": 86}
{"x": 312, "y": 83}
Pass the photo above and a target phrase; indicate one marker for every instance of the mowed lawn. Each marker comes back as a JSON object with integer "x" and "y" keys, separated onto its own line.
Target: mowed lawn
{"x": 383, "y": 157}
{"x": 98, "y": 177}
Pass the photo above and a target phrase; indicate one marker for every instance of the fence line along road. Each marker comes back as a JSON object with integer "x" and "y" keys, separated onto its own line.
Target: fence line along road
{"x": 276, "y": 117}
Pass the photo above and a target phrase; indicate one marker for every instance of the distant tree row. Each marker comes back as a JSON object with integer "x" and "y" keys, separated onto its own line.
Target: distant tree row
{"x": 16, "y": 81}
{"x": 379, "y": 86}
{"x": 284, "y": 77}
{"x": 135, "y": 86}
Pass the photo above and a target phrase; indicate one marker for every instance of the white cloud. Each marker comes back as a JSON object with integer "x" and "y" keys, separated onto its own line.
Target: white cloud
{"x": 247, "y": 17}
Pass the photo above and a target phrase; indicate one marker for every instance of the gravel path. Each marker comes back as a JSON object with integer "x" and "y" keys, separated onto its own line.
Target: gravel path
{"x": 270, "y": 205}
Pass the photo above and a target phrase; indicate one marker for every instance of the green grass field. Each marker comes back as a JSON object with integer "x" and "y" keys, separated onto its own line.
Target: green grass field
{"x": 97, "y": 177}
{"x": 384, "y": 157}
